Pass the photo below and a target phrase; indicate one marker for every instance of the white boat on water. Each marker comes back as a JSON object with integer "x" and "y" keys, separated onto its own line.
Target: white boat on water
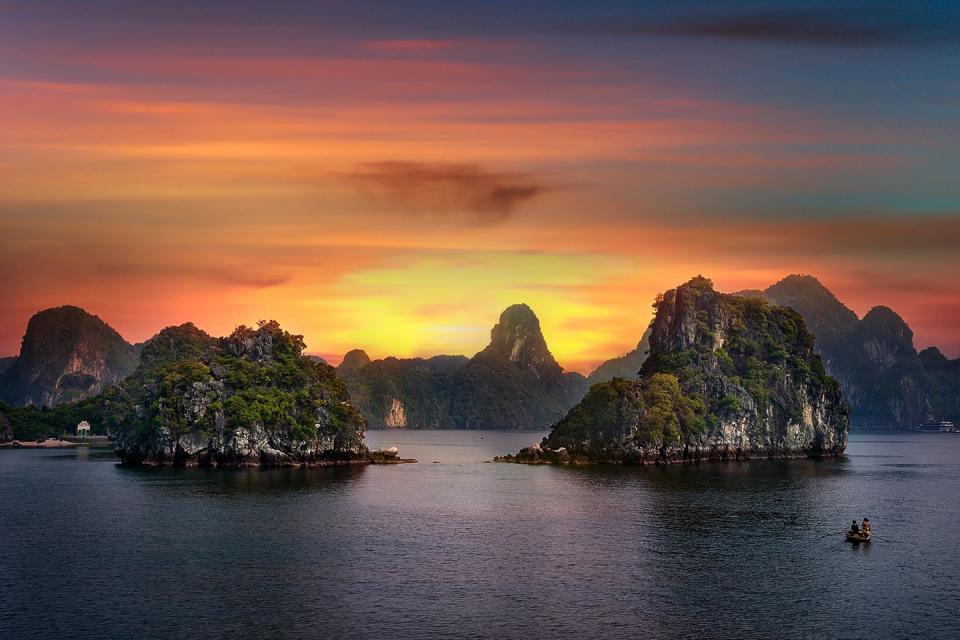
{"x": 937, "y": 426}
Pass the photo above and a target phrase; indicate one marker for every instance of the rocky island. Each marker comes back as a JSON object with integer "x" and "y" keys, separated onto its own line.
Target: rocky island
{"x": 726, "y": 378}
{"x": 250, "y": 399}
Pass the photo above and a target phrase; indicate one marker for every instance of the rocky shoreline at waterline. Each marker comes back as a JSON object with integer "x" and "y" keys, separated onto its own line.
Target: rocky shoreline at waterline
{"x": 537, "y": 454}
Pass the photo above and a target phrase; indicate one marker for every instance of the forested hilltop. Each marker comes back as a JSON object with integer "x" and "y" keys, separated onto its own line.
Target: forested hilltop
{"x": 251, "y": 398}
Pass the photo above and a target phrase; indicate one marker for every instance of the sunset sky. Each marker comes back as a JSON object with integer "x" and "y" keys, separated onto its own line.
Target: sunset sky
{"x": 391, "y": 175}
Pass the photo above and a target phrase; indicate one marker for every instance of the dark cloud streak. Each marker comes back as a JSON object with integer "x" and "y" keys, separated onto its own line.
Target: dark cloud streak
{"x": 488, "y": 197}
{"x": 846, "y": 28}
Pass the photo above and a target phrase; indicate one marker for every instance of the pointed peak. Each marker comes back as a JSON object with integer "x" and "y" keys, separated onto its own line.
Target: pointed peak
{"x": 801, "y": 285}
{"x": 883, "y": 312}
{"x": 882, "y": 316}
{"x": 519, "y": 314}
{"x": 801, "y": 279}
{"x": 353, "y": 360}
{"x": 67, "y": 317}
{"x": 64, "y": 310}
{"x": 517, "y": 337}
{"x": 883, "y": 322}
{"x": 932, "y": 356}
{"x": 820, "y": 308}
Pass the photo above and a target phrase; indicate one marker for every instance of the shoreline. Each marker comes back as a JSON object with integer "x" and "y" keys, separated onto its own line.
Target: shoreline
{"x": 46, "y": 444}
{"x": 561, "y": 459}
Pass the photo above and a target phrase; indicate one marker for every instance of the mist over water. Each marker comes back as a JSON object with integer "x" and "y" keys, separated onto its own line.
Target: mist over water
{"x": 465, "y": 548}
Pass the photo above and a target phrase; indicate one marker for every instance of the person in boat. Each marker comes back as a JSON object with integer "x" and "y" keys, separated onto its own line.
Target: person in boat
{"x": 855, "y": 528}
{"x": 866, "y": 526}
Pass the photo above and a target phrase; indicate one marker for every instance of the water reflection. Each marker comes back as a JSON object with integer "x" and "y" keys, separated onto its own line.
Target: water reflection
{"x": 253, "y": 481}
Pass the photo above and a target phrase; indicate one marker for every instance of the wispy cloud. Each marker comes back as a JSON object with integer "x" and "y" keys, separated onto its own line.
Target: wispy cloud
{"x": 814, "y": 27}
{"x": 486, "y": 197}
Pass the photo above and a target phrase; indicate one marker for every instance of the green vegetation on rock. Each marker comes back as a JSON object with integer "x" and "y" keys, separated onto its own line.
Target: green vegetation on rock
{"x": 252, "y": 398}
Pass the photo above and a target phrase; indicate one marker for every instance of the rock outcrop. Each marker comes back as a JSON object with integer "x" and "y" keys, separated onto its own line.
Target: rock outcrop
{"x": 727, "y": 378}
{"x": 67, "y": 355}
{"x": 251, "y": 399}
{"x": 396, "y": 417}
{"x": 513, "y": 383}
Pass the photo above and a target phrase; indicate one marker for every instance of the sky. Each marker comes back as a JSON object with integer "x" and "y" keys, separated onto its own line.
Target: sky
{"x": 391, "y": 175}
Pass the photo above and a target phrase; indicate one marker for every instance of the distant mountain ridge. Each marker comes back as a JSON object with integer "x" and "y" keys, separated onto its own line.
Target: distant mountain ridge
{"x": 625, "y": 366}
{"x": 513, "y": 383}
{"x": 887, "y": 384}
{"x": 67, "y": 355}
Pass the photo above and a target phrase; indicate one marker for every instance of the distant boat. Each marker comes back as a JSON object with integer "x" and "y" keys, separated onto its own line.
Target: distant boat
{"x": 937, "y": 426}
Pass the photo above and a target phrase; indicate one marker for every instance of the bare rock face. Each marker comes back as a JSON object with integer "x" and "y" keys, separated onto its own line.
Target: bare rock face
{"x": 396, "y": 416}
{"x": 67, "y": 355}
{"x": 251, "y": 399}
{"x": 727, "y": 378}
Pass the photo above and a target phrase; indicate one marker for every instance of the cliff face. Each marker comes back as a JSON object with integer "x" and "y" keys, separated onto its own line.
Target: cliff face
{"x": 67, "y": 355}
{"x": 944, "y": 378}
{"x": 727, "y": 378}
{"x": 514, "y": 383}
{"x": 882, "y": 376}
{"x": 249, "y": 399}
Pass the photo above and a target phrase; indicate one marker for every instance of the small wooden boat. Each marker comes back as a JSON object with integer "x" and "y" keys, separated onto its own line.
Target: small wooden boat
{"x": 860, "y": 536}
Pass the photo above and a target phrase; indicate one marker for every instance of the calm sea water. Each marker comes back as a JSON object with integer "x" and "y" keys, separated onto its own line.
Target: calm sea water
{"x": 467, "y": 549}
